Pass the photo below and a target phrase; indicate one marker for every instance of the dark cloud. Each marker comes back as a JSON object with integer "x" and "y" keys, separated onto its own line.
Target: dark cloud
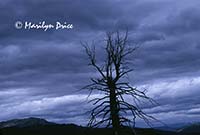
{"x": 44, "y": 70}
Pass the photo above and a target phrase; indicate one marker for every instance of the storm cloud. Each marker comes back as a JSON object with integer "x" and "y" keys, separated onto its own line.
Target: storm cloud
{"x": 42, "y": 72}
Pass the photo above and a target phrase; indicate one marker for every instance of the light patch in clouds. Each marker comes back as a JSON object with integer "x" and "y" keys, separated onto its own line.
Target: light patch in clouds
{"x": 13, "y": 92}
{"x": 195, "y": 111}
{"x": 173, "y": 87}
{"x": 47, "y": 105}
{"x": 176, "y": 97}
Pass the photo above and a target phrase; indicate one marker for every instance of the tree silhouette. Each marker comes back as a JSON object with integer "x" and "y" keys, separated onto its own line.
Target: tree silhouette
{"x": 114, "y": 109}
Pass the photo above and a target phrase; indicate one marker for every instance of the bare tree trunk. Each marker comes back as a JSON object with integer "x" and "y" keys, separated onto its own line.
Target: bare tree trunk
{"x": 114, "y": 108}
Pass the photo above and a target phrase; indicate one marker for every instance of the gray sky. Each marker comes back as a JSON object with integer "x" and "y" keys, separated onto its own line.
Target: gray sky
{"x": 41, "y": 71}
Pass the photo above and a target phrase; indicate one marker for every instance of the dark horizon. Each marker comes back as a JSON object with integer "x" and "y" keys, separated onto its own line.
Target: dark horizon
{"x": 41, "y": 71}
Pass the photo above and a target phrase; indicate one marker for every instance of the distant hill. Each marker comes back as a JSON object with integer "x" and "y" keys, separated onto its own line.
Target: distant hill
{"x": 191, "y": 129}
{"x": 172, "y": 127}
{"x": 28, "y": 122}
{"x": 37, "y": 126}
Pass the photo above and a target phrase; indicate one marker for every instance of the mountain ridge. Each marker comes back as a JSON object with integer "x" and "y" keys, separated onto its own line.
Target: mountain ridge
{"x": 25, "y": 122}
{"x": 194, "y": 128}
{"x": 38, "y": 126}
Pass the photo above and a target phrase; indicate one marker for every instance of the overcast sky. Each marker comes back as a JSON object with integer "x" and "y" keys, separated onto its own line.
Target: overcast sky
{"x": 42, "y": 71}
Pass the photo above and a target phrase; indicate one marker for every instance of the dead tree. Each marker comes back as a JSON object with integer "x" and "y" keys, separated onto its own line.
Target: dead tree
{"x": 113, "y": 109}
